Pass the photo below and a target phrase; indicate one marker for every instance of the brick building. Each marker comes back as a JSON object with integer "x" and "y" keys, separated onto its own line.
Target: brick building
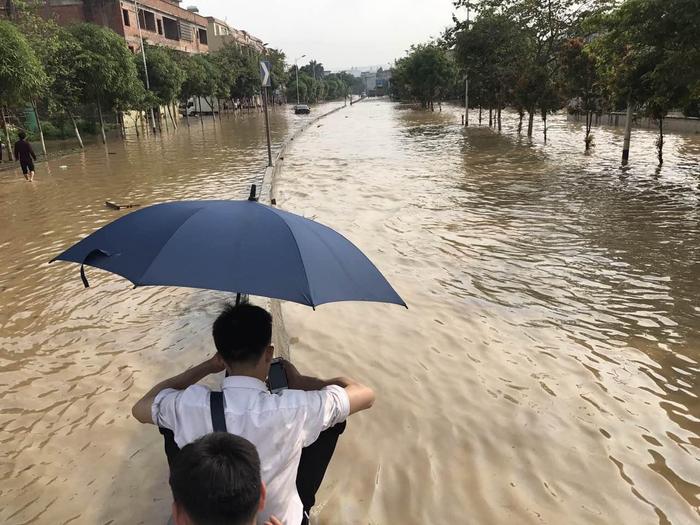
{"x": 220, "y": 33}
{"x": 163, "y": 22}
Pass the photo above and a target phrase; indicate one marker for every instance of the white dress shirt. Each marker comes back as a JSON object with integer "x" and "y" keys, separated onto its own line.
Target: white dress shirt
{"x": 278, "y": 425}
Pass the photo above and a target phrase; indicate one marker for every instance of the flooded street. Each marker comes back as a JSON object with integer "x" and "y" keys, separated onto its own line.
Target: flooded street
{"x": 546, "y": 370}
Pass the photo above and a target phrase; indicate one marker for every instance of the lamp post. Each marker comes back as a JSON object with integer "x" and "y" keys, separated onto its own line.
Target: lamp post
{"x": 145, "y": 67}
{"x": 296, "y": 67}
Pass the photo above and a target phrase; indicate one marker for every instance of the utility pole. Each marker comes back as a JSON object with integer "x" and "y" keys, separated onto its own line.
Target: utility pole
{"x": 145, "y": 67}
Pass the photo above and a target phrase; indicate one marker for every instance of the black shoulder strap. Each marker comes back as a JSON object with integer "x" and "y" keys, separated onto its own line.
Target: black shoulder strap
{"x": 216, "y": 405}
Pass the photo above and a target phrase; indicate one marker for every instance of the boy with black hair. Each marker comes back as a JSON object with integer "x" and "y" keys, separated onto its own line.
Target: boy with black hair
{"x": 25, "y": 155}
{"x": 295, "y": 432}
{"x": 216, "y": 481}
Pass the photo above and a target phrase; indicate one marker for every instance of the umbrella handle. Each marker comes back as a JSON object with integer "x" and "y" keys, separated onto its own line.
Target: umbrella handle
{"x": 90, "y": 256}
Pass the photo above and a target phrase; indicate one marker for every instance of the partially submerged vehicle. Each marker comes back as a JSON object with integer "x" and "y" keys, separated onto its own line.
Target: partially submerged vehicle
{"x": 302, "y": 109}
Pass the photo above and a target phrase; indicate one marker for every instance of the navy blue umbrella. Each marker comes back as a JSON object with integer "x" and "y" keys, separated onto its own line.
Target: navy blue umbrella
{"x": 235, "y": 246}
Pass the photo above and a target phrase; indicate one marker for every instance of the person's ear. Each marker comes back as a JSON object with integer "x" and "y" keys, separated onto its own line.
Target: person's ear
{"x": 269, "y": 354}
{"x": 179, "y": 515}
{"x": 263, "y": 496}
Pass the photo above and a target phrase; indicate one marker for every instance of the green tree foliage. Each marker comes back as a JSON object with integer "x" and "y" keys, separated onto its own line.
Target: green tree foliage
{"x": 279, "y": 75}
{"x": 22, "y": 79}
{"x": 165, "y": 75}
{"x": 650, "y": 56}
{"x": 493, "y": 51}
{"x": 240, "y": 75}
{"x": 424, "y": 75}
{"x": 106, "y": 68}
{"x": 580, "y": 81}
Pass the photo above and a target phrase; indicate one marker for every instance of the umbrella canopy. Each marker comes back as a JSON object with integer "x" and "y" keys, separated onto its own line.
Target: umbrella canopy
{"x": 235, "y": 246}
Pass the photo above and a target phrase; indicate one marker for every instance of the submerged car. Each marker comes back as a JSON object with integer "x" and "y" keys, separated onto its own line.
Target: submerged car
{"x": 302, "y": 109}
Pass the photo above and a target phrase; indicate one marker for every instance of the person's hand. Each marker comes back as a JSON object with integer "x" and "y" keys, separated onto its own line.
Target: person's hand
{"x": 215, "y": 364}
{"x": 293, "y": 375}
{"x": 273, "y": 521}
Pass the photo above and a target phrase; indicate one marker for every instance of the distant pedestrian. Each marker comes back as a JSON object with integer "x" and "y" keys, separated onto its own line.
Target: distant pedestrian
{"x": 26, "y": 156}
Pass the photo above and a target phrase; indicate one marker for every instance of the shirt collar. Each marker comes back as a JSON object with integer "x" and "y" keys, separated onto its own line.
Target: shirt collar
{"x": 244, "y": 382}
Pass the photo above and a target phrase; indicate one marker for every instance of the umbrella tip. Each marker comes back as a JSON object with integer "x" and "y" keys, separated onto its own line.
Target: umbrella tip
{"x": 252, "y": 196}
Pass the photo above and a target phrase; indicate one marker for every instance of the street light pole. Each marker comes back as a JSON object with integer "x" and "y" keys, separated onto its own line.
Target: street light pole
{"x": 296, "y": 67}
{"x": 145, "y": 67}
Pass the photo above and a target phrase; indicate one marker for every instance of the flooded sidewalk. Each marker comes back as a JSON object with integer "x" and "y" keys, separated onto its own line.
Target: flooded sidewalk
{"x": 546, "y": 370}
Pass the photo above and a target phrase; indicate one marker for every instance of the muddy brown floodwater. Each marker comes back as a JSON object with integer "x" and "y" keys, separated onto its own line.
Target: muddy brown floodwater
{"x": 546, "y": 370}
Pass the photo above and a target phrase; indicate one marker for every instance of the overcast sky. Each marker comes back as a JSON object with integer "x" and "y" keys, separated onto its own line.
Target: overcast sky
{"x": 338, "y": 34}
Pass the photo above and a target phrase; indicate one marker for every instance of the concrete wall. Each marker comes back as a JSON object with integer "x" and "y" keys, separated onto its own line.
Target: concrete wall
{"x": 672, "y": 124}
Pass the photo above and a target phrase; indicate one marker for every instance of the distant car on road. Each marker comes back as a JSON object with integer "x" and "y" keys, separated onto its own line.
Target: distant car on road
{"x": 302, "y": 109}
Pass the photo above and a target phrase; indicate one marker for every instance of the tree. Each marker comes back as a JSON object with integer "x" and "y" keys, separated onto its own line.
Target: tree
{"x": 105, "y": 66}
{"x": 22, "y": 78}
{"x": 59, "y": 51}
{"x": 493, "y": 50}
{"x": 424, "y": 75}
{"x": 194, "y": 79}
{"x": 650, "y": 56}
{"x": 165, "y": 76}
{"x": 581, "y": 82}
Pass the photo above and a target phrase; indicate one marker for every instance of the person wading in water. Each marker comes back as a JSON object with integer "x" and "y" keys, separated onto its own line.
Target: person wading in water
{"x": 26, "y": 156}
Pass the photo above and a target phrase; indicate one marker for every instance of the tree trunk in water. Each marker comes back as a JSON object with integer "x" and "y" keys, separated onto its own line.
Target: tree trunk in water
{"x": 201, "y": 119}
{"x": 174, "y": 112}
{"x": 479, "y": 114}
{"x": 521, "y": 114}
{"x": 187, "y": 113}
{"x": 660, "y": 142}
{"x": 530, "y": 121}
{"x": 172, "y": 119}
{"x": 75, "y": 128}
{"x": 589, "y": 123}
{"x": 161, "y": 119}
{"x": 41, "y": 130}
{"x": 10, "y": 149}
{"x": 628, "y": 135}
{"x": 490, "y": 116}
{"x": 544, "y": 131}
{"x": 102, "y": 122}
{"x": 136, "y": 126}
{"x": 499, "y": 118}
{"x": 211, "y": 105}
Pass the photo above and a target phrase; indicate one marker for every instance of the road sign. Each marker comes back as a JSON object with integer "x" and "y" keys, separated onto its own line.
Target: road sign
{"x": 265, "y": 68}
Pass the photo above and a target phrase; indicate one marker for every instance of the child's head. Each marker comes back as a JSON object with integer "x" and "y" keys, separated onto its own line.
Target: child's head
{"x": 22, "y": 135}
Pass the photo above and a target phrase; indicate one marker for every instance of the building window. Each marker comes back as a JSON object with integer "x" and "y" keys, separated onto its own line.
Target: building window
{"x": 147, "y": 20}
{"x": 202, "y": 36}
{"x": 125, "y": 15}
{"x": 160, "y": 27}
{"x": 170, "y": 29}
{"x": 186, "y": 31}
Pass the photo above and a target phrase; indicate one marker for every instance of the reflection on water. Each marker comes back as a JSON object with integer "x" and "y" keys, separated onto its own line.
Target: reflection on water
{"x": 547, "y": 369}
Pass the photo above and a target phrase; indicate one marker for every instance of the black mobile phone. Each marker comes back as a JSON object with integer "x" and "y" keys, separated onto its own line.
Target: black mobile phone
{"x": 277, "y": 378}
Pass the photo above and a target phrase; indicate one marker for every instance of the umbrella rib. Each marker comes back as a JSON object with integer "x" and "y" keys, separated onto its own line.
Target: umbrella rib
{"x": 301, "y": 257}
{"x": 166, "y": 242}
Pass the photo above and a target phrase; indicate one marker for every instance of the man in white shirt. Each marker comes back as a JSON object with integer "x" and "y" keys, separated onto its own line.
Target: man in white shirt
{"x": 295, "y": 431}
